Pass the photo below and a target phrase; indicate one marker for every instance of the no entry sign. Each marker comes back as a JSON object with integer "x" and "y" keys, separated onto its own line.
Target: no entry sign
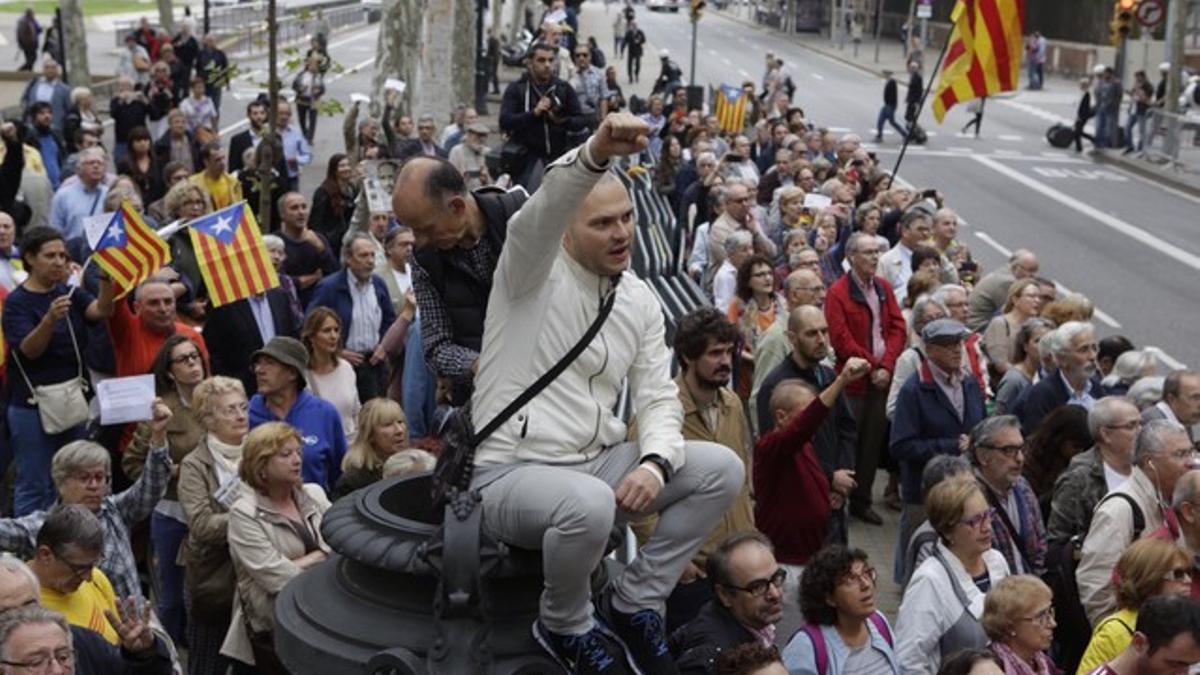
{"x": 1150, "y": 13}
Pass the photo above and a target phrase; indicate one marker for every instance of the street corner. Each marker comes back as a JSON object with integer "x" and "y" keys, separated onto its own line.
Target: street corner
{"x": 1163, "y": 172}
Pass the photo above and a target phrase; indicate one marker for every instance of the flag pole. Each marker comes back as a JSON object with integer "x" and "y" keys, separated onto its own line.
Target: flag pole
{"x": 924, "y": 96}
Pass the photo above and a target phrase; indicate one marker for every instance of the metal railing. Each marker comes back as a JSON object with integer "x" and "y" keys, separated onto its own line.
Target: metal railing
{"x": 1173, "y": 140}
{"x": 235, "y": 18}
{"x": 252, "y": 38}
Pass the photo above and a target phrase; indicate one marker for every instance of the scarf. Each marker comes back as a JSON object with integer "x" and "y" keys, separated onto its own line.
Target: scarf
{"x": 226, "y": 458}
{"x": 1015, "y": 665}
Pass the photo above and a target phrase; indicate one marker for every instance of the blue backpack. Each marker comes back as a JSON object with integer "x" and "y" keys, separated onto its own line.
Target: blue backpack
{"x": 821, "y": 651}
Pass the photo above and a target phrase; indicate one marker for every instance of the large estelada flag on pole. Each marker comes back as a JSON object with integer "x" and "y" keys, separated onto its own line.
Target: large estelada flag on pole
{"x": 984, "y": 54}
{"x": 730, "y": 108}
{"x": 233, "y": 260}
{"x": 129, "y": 251}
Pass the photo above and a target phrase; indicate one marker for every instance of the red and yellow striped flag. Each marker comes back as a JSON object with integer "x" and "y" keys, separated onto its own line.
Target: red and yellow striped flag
{"x": 730, "y": 108}
{"x": 232, "y": 258}
{"x": 129, "y": 250}
{"x": 984, "y": 56}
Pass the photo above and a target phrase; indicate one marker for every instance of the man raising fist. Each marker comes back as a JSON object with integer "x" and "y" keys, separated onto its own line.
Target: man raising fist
{"x": 558, "y": 474}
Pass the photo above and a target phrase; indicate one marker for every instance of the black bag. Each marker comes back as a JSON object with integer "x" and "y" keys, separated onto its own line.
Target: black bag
{"x": 1060, "y": 136}
{"x": 455, "y": 466}
{"x": 918, "y": 135}
{"x": 513, "y": 157}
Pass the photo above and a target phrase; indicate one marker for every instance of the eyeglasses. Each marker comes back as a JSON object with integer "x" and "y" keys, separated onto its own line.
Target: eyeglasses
{"x": 193, "y": 357}
{"x": 1180, "y": 574}
{"x": 1042, "y": 618}
{"x": 866, "y": 576}
{"x": 99, "y": 477}
{"x": 976, "y": 521}
{"x": 40, "y": 663}
{"x": 1128, "y": 426}
{"x": 1182, "y": 454}
{"x": 758, "y": 587}
{"x": 77, "y": 569}
{"x": 1009, "y": 451}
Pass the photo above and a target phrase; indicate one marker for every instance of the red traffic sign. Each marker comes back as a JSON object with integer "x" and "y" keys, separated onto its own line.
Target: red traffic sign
{"x": 1150, "y": 13}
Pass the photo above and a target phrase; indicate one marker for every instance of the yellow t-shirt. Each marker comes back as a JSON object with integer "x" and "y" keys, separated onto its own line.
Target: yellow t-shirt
{"x": 1111, "y": 636}
{"x": 225, "y": 191}
{"x": 85, "y": 607}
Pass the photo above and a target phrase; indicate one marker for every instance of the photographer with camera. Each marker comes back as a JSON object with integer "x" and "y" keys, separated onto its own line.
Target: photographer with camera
{"x": 542, "y": 119}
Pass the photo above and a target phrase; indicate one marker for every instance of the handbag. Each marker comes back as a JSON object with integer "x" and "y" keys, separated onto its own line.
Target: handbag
{"x": 456, "y": 464}
{"x": 62, "y": 405}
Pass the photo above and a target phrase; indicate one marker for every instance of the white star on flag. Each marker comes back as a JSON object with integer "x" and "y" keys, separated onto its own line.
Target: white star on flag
{"x": 222, "y": 226}
{"x": 115, "y": 233}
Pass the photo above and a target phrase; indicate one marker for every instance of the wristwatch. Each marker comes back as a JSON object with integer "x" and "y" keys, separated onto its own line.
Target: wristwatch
{"x": 663, "y": 465}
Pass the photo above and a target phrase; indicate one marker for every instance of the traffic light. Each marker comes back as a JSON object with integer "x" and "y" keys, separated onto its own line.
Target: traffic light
{"x": 1122, "y": 22}
{"x": 697, "y": 8}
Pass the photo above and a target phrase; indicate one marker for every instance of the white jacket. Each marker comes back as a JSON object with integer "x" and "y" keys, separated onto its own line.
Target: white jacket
{"x": 930, "y": 607}
{"x": 542, "y": 302}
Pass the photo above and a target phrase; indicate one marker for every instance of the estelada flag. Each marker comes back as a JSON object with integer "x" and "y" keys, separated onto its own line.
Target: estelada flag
{"x": 730, "y": 108}
{"x": 233, "y": 260}
{"x": 984, "y": 55}
{"x": 129, "y": 251}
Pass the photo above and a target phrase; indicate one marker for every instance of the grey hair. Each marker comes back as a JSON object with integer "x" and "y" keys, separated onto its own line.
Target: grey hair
{"x": 1129, "y": 366}
{"x": 736, "y": 240}
{"x": 18, "y": 567}
{"x": 348, "y": 245}
{"x": 74, "y": 525}
{"x": 1187, "y": 488}
{"x": 1151, "y": 440}
{"x": 78, "y": 456}
{"x": 13, "y": 619}
{"x": 273, "y": 242}
{"x": 95, "y": 150}
{"x": 78, "y": 93}
{"x": 923, "y": 303}
{"x": 946, "y": 289}
{"x": 1104, "y": 413}
{"x": 426, "y": 118}
{"x": 1067, "y": 332}
{"x": 852, "y": 242}
{"x": 1147, "y": 391}
{"x": 413, "y": 460}
{"x": 705, "y": 156}
{"x": 940, "y": 468}
{"x": 1048, "y": 343}
{"x": 829, "y": 186}
{"x": 792, "y": 235}
{"x": 986, "y": 430}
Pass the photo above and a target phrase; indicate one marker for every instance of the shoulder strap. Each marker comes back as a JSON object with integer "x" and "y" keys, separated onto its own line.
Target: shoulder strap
{"x": 881, "y": 626}
{"x": 820, "y": 650}
{"x": 958, "y": 591}
{"x": 556, "y": 370}
{"x": 1013, "y": 533}
{"x": 1139, "y": 518}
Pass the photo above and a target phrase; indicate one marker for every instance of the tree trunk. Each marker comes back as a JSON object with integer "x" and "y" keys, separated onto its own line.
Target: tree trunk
{"x": 433, "y": 97}
{"x": 518, "y": 20}
{"x": 463, "y": 58}
{"x": 497, "y": 17}
{"x": 166, "y": 16}
{"x": 74, "y": 43}
{"x": 398, "y": 49}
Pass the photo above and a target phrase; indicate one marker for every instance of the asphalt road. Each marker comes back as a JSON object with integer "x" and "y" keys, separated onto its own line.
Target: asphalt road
{"x": 1130, "y": 245}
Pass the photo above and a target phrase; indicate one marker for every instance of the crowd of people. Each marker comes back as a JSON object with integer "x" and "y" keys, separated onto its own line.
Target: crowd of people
{"x": 1043, "y": 477}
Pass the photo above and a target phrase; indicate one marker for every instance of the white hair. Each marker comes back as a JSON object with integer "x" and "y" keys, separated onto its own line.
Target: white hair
{"x": 1129, "y": 367}
{"x": 1067, "y": 333}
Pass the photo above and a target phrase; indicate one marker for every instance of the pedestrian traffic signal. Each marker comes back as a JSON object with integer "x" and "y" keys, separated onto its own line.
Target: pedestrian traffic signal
{"x": 1123, "y": 17}
{"x": 697, "y": 8}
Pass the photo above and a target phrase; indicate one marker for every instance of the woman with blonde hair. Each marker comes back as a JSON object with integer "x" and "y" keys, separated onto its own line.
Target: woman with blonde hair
{"x": 208, "y": 486}
{"x": 1024, "y": 302}
{"x": 382, "y": 432}
{"x": 330, "y": 376}
{"x": 1148, "y": 568}
{"x": 1018, "y": 617}
{"x": 274, "y": 535}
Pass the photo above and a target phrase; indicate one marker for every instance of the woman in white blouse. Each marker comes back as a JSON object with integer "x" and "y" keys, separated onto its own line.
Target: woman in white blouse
{"x": 329, "y": 375}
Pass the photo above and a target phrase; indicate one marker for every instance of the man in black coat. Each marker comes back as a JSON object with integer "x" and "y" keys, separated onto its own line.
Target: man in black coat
{"x": 540, "y": 114}
{"x": 916, "y": 88}
{"x": 256, "y": 112}
{"x": 749, "y": 587}
{"x": 236, "y": 330}
{"x": 891, "y": 98}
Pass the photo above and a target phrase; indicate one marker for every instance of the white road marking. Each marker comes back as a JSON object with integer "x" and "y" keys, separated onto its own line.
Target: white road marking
{"x": 1173, "y": 364}
{"x": 1037, "y": 112}
{"x": 1007, "y": 157}
{"x": 1133, "y": 232}
{"x": 1007, "y": 253}
{"x": 1081, "y": 174}
{"x": 1047, "y": 153}
{"x": 960, "y": 149}
{"x": 817, "y": 76}
{"x": 1007, "y": 152}
{"x": 743, "y": 72}
{"x": 1010, "y": 137}
{"x": 726, "y": 61}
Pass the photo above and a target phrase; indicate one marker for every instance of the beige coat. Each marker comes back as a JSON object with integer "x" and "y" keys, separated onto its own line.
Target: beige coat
{"x": 263, "y": 547}
{"x": 208, "y": 574}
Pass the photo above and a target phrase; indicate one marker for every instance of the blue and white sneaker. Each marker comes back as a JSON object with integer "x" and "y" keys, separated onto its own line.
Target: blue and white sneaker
{"x": 596, "y": 652}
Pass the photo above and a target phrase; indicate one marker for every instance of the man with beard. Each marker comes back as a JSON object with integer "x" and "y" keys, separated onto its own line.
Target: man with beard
{"x": 748, "y": 583}
{"x": 1074, "y": 385}
{"x": 256, "y": 113}
{"x": 704, "y": 342}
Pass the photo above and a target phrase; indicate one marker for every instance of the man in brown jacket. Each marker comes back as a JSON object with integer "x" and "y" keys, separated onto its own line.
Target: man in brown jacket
{"x": 704, "y": 344}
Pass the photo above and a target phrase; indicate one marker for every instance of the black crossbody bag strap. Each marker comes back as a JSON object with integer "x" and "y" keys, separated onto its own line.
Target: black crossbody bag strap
{"x": 552, "y": 374}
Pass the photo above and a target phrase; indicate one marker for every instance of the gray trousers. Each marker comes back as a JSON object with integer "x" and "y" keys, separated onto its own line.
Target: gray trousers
{"x": 568, "y": 511}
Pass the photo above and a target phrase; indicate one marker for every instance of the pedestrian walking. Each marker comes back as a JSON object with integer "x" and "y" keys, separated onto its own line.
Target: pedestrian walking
{"x": 310, "y": 87}
{"x": 887, "y": 113}
{"x": 1107, "y": 97}
{"x": 975, "y": 107}
{"x": 28, "y": 31}
{"x": 635, "y": 44}
{"x": 1083, "y": 113}
{"x": 620, "y": 27}
{"x": 1141, "y": 98}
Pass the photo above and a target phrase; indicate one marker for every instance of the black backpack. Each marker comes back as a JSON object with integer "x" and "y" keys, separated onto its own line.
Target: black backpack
{"x": 1061, "y": 561}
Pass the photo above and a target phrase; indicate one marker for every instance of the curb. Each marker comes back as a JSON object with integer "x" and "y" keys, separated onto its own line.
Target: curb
{"x": 804, "y": 45}
{"x": 1147, "y": 171}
